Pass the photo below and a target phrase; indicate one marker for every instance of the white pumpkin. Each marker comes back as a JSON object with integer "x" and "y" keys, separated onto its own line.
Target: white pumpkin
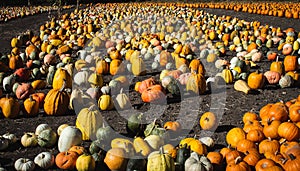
{"x": 24, "y": 164}
{"x": 197, "y": 163}
{"x": 11, "y": 137}
{"x": 69, "y": 137}
{"x": 154, "y": 141}
{"x": 41, "y": 128}
{"x": 81, "y": 78}
{"x": 44, "y": 160}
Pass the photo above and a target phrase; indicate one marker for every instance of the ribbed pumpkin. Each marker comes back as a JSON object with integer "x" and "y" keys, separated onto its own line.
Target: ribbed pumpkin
{"x": 153, "y": 94}
{"x": 56, "y": 101}
{"x": 234, "y": 136}
{"x": 88, "y": 121}
{"x": 115, "y": 67}
{"x": 197, "y": 66}
{"x": 158, "y": 161}
{"x": 60, "y": 76}
{"x": 102, "y": 67}
{"x": 289, "y": 131}
{"x": 196, "y": 83}
{"x": 290, "y": 63}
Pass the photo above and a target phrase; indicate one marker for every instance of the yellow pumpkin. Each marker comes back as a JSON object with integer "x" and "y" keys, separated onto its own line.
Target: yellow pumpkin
{"x": 141, "y": 146}
{"x": 60, "y": 76}
{"x": 88, "y": 121}
{"x": 227, "y": 76}
{"x": 105, "y": 102}
{"x": 196, "y": 83}
{"x": 85, "y": 163}
{"x": 234, "y": 136}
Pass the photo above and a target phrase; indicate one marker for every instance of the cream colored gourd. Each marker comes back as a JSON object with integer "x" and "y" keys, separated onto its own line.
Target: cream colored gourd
{"x": 123, "y": 100}
{"x": 154, "y": 141}
{"x": 241, "y": 85}
{"x": 197, "y": 163}
{"x": 44, "y": 160}
{"x": 69, "y": 137}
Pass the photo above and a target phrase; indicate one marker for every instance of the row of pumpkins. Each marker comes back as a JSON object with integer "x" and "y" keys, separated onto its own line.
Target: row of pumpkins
{"x": 278, "y": 9}
{"x": 9, "y": 13}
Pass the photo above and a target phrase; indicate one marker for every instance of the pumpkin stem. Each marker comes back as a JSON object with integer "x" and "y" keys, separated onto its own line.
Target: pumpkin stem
{"x": 92, "y": 107}
{"x": 292, "y": 157}
{"x": 238, "y": 159}
{"x": 30, "y": 98}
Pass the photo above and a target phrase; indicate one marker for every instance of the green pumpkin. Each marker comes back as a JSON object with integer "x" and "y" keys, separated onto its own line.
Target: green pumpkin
{"x": 183, "y": 154}
{"x": 136, "y": 163}
{"x": 173, "y": 87}
{"x": 47, "y": 138}
{"x": 95, "y": 147}
{"x": 105, "y": 134}
{"x": 134, "y": 124}
{"x": 158, "y": 161}
{"x": 99, "y": 157}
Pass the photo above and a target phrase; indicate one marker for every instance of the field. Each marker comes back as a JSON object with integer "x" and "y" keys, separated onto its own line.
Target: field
{"x": 227, "y": 103}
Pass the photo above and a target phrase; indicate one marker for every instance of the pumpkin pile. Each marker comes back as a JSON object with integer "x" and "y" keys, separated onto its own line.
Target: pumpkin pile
{"x": 269, "y": 140}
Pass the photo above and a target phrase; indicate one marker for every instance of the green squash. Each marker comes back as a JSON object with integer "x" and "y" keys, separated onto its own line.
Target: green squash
{"x": 183, "y": 154}
{"x": 47, "y": 138}
{"x": 135, "y": 123}
{"x": 136, "y": 163}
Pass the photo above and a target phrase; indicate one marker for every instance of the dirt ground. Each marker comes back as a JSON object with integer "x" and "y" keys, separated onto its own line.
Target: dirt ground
{"x": 228, "y": 103}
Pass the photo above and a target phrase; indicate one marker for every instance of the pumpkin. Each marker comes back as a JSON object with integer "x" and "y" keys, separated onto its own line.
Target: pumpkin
{"x": 38, "y": 84}
{"x": 158, "y": 160}
{"x": 263, "y": 164}
{"x": 256, "y": 80}
{"x": 116, "y": 67}
{"x": 238, "y": 164}
{"x": 291, "y": 147}
{"x": 249, "y": 116}
{"x": 124, "y": 143}
{"x": 11, "y": 137}
{"x": 60, "y": 78}
{"x": 122, "y": 100}
{"x": 134, "y": 124}
{"x": 136, "y": 163}
{"x": 10, "y": 107}
{"x": 88, "y": 121}
{"x": 153, "y": 94}
{"x": 196, "y": 162}
{"x": 102, "y": 67}
{"x": 288, "y": 131}
{"x": 232, "y": 155}
{"x": 227, "y": 75}
{"x": 165, "y": 57}
{"x": 70, "y": 136}
{"x": 172, "y": 125}
{"x": 244, "y": 145}
{"x": 252, "y": 125}
{"x": 96, "y": 80}
{"x": 273, "y": 77}
{"x": 208, "y": 121}
{"x": 277, "y": 67}
{"x": 66, "y": 160}
{"x": 115, "y": 159}
{"x": 24, "y": 90}
{"x": 44, "y": 160}
{"x": 145, "y": 84}
{"x": 271, "y": 129}
{"x": 196, "y": 66}
{"x": 47, "y": 138}
{"x": 252, "y": 156}
{"x": 138, "y": 67}
{"x": 234, "y": 136}
{"x": 286, "y": 81}
{"x": 182, "y": 154}
{"x": 56, "y": 101}
{"x": 105, "y": 102}
{"x": 23, "y": 74}
{"x": 255, "y": 135}
{"x": 31, "y": 106}
{"x": 29, "y": 139}
{"x": 292, "y": 163}
{"x": 154, "y": 141}
{"x": 24, "y": 164}
{"x": 15, "y": 62}
{"x": 85, "y": 163}
{"x": 294, "y": 113}
{"x": 215, "y": 157}
{"x": 196, "y": 84}
{"x": 268, "y": 145}
{"x": 290, "y": 63}
{"x": 39, "y": 97}
{"x": 278, "y": 111}
{"x": 141, "y": 146}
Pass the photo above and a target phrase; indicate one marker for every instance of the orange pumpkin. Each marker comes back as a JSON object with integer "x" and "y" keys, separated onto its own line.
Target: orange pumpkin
{"x": 115, "y": 67}
{"x": 146, "y": 84}
{"x": 172, "y": 125}
{"x": 208, "y": 121}
{"x": 290, "y": 63}
{"x": 153, "y": 94}
{"x": 66, "y": 160}
{"x": 256, "y": 80}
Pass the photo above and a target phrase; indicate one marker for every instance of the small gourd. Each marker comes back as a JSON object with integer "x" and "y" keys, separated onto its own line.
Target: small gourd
{"x": 24, "y": 164}
{"x": 44, "y": 160}
{"x": 123, "y": 101}
{"x": 196, "y": 162}
{"x": 69, "y": 137}
{"x": 241, "y": 85}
